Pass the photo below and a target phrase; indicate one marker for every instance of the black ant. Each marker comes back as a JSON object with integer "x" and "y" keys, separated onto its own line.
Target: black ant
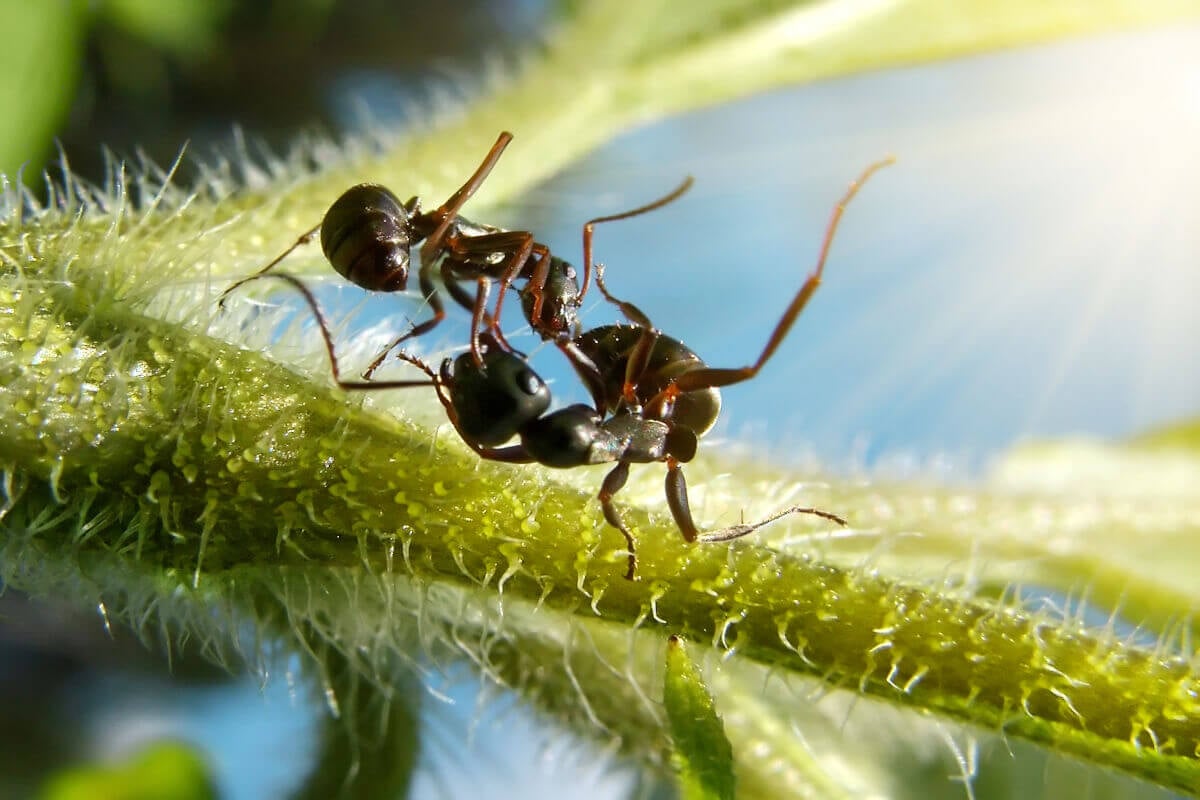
{"x": 367, "y": 236}
{"x": 489, "y": 405}
{"x": 653, "y": 400}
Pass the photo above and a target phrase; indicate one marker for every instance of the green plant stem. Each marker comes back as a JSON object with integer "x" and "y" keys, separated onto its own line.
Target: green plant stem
{"x": 184, "y": 469}
{"x": 394, "y": 501}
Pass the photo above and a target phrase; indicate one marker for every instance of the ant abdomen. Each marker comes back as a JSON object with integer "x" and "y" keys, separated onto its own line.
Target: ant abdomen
{"x": 366, "y": 235}
{"x": 609, "y": 349}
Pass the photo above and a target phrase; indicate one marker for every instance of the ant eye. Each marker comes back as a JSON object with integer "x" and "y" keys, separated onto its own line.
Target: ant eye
{"x": 529, "y": 382}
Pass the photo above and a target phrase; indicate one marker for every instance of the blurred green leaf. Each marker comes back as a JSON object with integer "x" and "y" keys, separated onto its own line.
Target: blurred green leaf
{"x": 163, "y": 771}
{"x": 39, "y": 67}
{"x": 1180, "y": 436}
{"x": 184, "y": 27}
{"x": 701, "y": 751}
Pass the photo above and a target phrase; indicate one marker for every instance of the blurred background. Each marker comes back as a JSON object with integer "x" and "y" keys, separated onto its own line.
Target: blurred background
{"x": 1029, "y": 268}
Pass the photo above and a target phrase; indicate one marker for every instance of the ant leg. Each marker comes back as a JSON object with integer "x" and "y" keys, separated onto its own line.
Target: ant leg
{"x": 516, "y": 262}
{"x": 631, "y": 312}
{"x": 305, "y": 238}
{"x": 471, "y": 254}
{"x": 589, "y": 227}
{"x": 483, "y": 287}
{"x": 639, "y": 357}
{"x": 324, "y": 326}
{"x": 613, "y": 482}
{"x": 587, "y": 371}
{"x": 677, "y": 500}
{"x": 519, "y": 247}
{"x": 708, "y": 377}
{"x": 448, "y": 211}
{"x": 537, "y": 279}
{"x": 637, "y": 364}
{"x": 429, "y": 290}
{"x": 738, "y": 531}
{"x": 379, "y": 359}
{"x": 460, "y": 296}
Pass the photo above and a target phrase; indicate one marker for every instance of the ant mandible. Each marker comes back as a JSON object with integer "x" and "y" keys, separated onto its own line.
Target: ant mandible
{"x": 367, "y": 236}
{"x": 653, "y": 400}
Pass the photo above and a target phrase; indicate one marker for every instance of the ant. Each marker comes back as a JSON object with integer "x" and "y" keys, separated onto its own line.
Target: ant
{"x": 653, "y": 400}
{"x": 367, "y": 235}
{"x": 489, "y": 405}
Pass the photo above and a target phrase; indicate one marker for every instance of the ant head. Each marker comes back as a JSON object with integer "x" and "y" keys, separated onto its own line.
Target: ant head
{"x": 566, "y": 438}
{"x": 495, "y": 403}
{"x": 366, "y": 235}
{"x": 560, "y": 301}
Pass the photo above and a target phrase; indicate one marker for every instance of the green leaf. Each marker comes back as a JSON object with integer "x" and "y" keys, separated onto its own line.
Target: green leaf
{"x": 39, "y": 66}
{"x": 186, "y": 27}
{"x": 164, "y": 771}
{"x": 702, "y": 753}
{"x": 1180, "y": 436}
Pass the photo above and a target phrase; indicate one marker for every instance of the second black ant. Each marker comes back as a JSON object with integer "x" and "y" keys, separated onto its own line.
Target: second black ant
{"x": 653, "y": 399}
{"x": 367, "y": 235}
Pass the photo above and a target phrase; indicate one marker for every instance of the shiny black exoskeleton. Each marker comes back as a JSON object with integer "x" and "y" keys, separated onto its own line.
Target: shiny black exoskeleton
{"x": 652, "y": 400}
{"x": 505, "y": 398}
{"x": 653, "y": 397}
{"x": 367, "y": 235}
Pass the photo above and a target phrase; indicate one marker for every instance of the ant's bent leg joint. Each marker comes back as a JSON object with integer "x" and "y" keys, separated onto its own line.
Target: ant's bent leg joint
{"x": 613, "y": 482}
{"x": 677, "y": 500}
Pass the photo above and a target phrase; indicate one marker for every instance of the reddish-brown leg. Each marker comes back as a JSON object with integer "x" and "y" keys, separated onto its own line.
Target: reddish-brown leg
{"x": 710, "y": 377}
{"x": 467, "y": 252}
{"x": 537, "y": 282}
{"x": 447, "y": 212}
{"x": 328, "y": 338}
{"x": 590, "y": 226}
{"x": 629, "y": 310}
{"x": 305, "y": 238}
{"x": 518, "y": 258}
{"x": 483, "y": 287}
{"x": 429, "y": 290}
